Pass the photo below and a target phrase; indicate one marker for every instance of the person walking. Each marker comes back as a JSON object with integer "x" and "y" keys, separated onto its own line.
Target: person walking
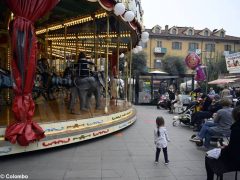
{"x": 161, "y": 139}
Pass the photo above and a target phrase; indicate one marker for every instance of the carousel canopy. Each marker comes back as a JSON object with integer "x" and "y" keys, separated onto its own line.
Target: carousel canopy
{"x": 83, "y": 24}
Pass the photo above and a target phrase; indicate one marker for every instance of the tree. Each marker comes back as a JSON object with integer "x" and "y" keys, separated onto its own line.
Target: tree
{"x": 174, "y": 65}
{"x": 139, "y": 62}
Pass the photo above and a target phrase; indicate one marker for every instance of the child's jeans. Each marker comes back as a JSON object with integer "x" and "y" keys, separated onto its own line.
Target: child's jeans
{"x": 164, "y": 153}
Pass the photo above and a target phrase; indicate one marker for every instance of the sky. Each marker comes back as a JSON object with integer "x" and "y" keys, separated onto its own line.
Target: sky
{"x": 213, "y": 14}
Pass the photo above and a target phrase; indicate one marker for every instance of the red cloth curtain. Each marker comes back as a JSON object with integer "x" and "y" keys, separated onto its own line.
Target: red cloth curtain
{"x": 24, "y": 47}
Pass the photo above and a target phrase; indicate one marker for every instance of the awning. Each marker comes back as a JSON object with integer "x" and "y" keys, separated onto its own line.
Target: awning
{"x": 158, "y": 72}
{"x": 223, "y": 81}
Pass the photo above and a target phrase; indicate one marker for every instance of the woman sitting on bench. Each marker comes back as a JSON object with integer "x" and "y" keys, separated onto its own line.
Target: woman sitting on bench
{"x": 229, "y": 159}
{"x": 220, "y": 127}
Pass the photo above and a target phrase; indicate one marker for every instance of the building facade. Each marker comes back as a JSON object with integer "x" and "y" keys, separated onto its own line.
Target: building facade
{"x": 179, "y": 41}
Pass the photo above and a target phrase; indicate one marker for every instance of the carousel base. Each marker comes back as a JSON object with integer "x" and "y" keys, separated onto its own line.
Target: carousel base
{"x": 71, "y": 130}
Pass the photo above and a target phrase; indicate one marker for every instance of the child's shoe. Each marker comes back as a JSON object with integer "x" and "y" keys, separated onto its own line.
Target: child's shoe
{"x": 166, "y": 163}
{"x": 156, "y": 162}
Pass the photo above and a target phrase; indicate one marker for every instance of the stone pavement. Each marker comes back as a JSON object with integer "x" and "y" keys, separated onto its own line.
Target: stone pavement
{"x": 125, "y": 155}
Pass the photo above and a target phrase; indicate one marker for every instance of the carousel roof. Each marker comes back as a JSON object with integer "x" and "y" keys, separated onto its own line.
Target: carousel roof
{"x": 85, "y": 21}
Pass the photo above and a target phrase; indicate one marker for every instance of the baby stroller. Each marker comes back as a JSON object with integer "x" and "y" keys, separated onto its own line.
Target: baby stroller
{"x": 184, "y": 117}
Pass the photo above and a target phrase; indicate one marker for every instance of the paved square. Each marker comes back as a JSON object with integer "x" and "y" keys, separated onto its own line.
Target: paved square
{"x": 125, "y": 155}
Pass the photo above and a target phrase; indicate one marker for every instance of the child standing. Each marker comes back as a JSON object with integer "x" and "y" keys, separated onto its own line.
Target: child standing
{"x": 161, "y": 139}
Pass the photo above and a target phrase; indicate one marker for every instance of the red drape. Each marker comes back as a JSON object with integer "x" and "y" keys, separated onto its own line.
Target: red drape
{"x": 24, "y": 47}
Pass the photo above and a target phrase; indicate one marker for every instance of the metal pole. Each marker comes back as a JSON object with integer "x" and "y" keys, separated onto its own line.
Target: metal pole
{"x": 65, "y": 43}
{"x": 118, "y": 78}
{"x": 77, "y": 47}
{"x": 130, "y": 72}
{"x": 106, "y": 68}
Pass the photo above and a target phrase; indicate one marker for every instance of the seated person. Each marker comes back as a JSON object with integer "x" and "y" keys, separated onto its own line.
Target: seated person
{"x": 82, "y": 68}
{"x": 171, "y": 96}
{"x": 178, "y": 100}
{"x": 198, "y": 117}
{"x": 221, "y": 125}
{"x": 229, "y": 158}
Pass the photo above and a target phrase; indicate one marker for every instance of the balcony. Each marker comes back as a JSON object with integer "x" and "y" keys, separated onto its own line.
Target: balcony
{"x": 160, "y": 50}
{"x": 197, "y": 51}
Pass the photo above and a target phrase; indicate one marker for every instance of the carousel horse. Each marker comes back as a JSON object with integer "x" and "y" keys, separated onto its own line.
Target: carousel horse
{"x": 46, "y": 82}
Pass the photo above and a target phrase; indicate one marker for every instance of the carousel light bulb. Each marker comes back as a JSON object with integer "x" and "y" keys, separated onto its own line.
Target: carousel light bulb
{"x": 119, "y": 9}
{"x": 129, "y": 16}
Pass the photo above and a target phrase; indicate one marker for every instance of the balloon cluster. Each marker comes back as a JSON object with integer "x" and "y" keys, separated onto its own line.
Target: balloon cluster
{"x": 193, "y": 62}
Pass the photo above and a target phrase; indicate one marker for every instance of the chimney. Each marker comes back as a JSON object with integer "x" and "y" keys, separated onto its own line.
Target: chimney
{"x": 166, "y": 29}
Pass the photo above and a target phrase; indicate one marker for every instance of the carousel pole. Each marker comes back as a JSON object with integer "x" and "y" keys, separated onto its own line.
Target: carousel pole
{"x": 94, "y": 39}
{"x": 106, "y": 67}
{"x": 65, "y": 43}
{"x": 46, "y": 42}
{"x": 126, "y": 78}
{"x": 118, "y": 44}
{"x": 77, "y": 47}
{"x": 51, "y": 62}
{"x": 130, "y": 73}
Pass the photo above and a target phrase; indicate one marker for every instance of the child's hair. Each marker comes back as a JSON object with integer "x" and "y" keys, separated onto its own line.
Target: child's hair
{"x": 159, "y": 123}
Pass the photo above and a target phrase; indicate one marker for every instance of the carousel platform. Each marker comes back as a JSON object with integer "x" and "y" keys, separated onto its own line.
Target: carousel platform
{"x": 62, "y": 128}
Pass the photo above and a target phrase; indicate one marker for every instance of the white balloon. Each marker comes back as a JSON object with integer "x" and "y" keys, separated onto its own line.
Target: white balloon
{"x": 139, "y": 48}
{"x": 145, "y": 35}
{"x": 135, "y": 50}
{"x": 119, "y": 9}
{"x": 122, "y": 55}
{"x": 145, "y": 40}
{"x": 92, "y": 0}
{"x": 129, "y": 16}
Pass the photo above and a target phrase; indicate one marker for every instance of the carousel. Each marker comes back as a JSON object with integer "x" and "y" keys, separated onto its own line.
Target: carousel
{"x": 60, "y": 80}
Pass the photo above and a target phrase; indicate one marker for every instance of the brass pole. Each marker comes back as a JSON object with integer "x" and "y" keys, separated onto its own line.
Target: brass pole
{"x": 46, "y": 42}
{"x": 77, "y": 46}
{"x": 65, "y": 43}
{"x": 118, "y": 42}
{"x": 130, "y": 72}
{"x": 106, "y": 67}
{"x": 126, "y": 79}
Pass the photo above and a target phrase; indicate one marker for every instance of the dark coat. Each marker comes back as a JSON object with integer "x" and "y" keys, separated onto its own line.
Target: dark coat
{"x": 83, "y": 69}
{"x": 231, "y": 154}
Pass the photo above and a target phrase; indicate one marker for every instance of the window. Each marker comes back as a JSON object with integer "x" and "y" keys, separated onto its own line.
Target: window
{"x": 159, "y": 43}
{"x": 190, "y": 32}
{"x": 174, "y": 31}
{"x": 157, "y": 63}
{"x": 222, "y": 34}
{"x": 177, "y": 45}
{"x": 192, "y": 46}
{"x": 206, "y": 33}
{"x": 210, "y": 47}
{"x": 227, "y": 47}
{"x": 157, "y": 30}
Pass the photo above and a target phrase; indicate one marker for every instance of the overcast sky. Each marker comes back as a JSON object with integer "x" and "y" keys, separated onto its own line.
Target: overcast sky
{"x": 214, "y": 14}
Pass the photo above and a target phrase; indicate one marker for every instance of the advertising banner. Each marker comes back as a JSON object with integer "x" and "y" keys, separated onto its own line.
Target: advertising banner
{"x": 233, "y": 62}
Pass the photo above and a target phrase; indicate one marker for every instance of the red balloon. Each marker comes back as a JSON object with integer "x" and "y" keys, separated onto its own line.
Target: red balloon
{"x": 192, "y": 60}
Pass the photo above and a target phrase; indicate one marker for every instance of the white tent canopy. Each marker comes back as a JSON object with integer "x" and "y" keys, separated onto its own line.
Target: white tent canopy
{"x": 158, "y": 72}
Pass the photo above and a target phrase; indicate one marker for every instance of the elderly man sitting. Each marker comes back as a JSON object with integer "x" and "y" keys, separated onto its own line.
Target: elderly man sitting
{"x": 221, "y": 125}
